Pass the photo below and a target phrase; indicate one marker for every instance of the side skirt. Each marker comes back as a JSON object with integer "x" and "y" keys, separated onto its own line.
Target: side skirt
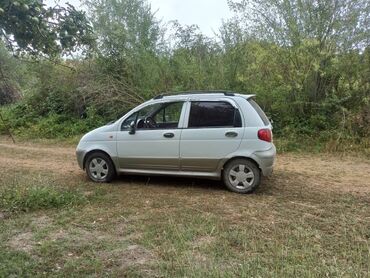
{"x": 206, "y": 175}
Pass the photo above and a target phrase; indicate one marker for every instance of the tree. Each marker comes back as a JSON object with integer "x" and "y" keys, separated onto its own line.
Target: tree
{"x": 9, "y": 70}
{"x": 28, "y": 26}
{"x": 314, "y": 32}
{"x": 195, "y": 59}
{"x": 127, "y": 37}
{"x": 123, "y": 25}
{"x": 343, "y": 24}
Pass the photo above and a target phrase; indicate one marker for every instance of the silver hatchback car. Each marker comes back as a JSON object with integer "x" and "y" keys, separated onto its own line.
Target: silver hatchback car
{"x": 216, "y": 135}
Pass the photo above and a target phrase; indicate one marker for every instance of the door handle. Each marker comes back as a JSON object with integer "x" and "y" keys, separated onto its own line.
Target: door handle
{"x": 231, "y": 134}
{"x": 169, "y": 135}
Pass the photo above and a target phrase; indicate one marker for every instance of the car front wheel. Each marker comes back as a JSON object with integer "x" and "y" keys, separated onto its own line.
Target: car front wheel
{"x": 99, "y": 167}
{"x": 241, "y": 176}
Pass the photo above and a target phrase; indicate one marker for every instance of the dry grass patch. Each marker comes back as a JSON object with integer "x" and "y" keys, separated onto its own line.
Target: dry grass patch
{"x": 22, "y": 242}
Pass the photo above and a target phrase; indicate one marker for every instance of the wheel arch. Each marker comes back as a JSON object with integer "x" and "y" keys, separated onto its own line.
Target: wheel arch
{"x": 227, "y": 161}
{"x": 90, "y": 152}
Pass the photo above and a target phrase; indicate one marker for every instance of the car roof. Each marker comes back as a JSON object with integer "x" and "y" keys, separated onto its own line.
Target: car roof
{"x": 197, "y": 94}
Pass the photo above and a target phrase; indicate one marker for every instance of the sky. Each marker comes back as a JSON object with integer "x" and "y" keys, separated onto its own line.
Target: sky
{"x": 207, "y": 14}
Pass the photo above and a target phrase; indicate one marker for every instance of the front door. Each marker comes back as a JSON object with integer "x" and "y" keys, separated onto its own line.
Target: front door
{"x": 155, "y": 143}
{"x": 214, "y": 131}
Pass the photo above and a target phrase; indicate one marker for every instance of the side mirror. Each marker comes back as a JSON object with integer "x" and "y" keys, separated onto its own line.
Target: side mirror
{"x": 132, "y": 129}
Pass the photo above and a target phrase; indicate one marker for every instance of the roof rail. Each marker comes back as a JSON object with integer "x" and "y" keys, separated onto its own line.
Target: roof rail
{"x": 159, "y": 96}
{"x": 226, "y": 93}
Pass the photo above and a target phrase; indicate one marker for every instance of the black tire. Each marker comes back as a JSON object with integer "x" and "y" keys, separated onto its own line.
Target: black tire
{"x": 241, "y": 180}
{"x": 105, "y": 164}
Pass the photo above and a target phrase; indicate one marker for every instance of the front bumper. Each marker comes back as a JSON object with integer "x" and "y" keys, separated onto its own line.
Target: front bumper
{"x": 266, "y": 160}
{"x": 80, "y": 154}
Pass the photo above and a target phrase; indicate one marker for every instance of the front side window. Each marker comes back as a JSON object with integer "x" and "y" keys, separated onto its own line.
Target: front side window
{"x": 126, "y": 123}
{"x": 205, "y": 114}
{"x": 140, "y": 116}
{"x": 156, "y": 116}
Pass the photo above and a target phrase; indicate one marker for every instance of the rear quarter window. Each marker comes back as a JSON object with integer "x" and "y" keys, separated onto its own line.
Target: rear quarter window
{"x": 259, "y": 111}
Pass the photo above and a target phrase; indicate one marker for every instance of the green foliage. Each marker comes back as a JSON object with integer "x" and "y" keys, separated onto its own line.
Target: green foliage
{"x": 9, "y": 68}
{"x": 28, "y": 26}
{"x": 311, "y": 85}
{"x": 49, "y": 126}
{"x": 334, "y": 24}
{"x": 21, "y": 198}
{"x": 57, "y": 126}
{"x": 307, "y": 62}
{"x": 129, "y": 38}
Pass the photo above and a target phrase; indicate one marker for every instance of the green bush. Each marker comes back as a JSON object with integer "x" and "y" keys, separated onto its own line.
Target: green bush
{"x": 52, "y": 126}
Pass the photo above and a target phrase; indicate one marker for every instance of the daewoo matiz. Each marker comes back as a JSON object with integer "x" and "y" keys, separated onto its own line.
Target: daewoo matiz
{"x": 217, "y": 135}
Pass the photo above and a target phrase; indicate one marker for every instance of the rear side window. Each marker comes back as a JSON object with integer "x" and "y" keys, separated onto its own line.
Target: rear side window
{"x": 205, "y": 114}
{"x": 259, "y": 111}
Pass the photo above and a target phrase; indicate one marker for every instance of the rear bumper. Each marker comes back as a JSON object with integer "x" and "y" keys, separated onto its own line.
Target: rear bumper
{"x": 266, "y": 160}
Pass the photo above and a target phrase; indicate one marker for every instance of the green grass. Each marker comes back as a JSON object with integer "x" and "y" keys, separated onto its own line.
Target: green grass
{"x": 16, "y": 264}
{"x": 57, "y": 224}
{"x": 251, "y": 236}
{"x": 323, "y": 144}
{"x": 38, "y": 197}
{"x": 193, "y": 243}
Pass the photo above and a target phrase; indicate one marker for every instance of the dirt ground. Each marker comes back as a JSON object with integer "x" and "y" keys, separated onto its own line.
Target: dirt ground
{"x": 322, "y": 172}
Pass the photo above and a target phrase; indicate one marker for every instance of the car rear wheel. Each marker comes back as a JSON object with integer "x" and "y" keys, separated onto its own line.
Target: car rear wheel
{"x": 99, "y": 167}
{"x": 241, "y": 176}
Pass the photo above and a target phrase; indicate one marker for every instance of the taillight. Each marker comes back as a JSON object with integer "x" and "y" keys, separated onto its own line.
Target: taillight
{"x": 265, "y": 135}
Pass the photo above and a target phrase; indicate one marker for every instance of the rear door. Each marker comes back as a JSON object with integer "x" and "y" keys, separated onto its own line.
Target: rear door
{"x": 214, "y": 129}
